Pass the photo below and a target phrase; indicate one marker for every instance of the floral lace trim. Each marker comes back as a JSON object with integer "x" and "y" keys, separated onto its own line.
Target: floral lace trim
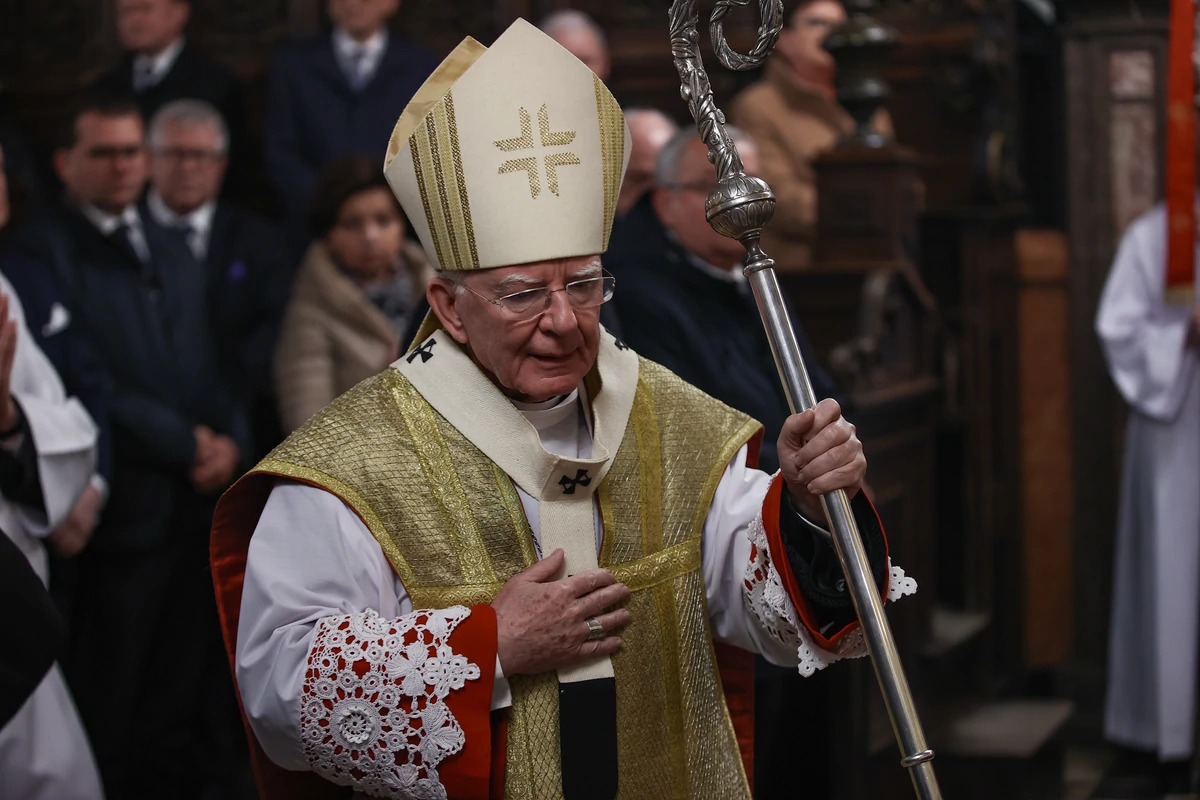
{"x": 372, "y": 713}
{"x": 769, "y": 601}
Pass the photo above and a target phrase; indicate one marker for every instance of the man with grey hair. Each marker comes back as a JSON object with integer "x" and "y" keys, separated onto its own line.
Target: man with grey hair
{"x": 189, "y": 146}
{"x": 582, "y": 38}
{"x": 178, "y": 434}
{"x": 684, "y": 301}
{"x": 241, "y": 251}
{"x": 685, "y": 304}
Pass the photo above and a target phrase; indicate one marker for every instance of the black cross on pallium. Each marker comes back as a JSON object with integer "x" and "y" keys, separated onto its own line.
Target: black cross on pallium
{"x": 581, "y": 479}
{"x": 425, "y": 351}
{"x": 620, "y": 344}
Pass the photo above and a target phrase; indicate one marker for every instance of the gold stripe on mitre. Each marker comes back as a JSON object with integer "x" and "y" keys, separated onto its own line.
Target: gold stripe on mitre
{"x": 512, "y": 154}
{"x": 612, "y": 145}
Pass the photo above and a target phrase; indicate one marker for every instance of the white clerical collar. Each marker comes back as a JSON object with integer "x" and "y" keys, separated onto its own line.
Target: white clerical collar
{"x": 549, "y": 412}
{"x": 347, "y": 47}
{"x": 107, "y": 223}
{"x": 157, "y": 67}
{"x": 559, "y": 424}
{"x": 199, "y": 220}
{"x": 732, "y": 275}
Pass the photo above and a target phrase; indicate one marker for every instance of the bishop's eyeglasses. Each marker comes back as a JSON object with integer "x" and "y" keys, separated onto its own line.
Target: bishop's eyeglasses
{"x": 529, "y": 304}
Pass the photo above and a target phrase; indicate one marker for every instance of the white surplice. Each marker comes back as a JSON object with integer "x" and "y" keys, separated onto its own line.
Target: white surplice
{"x": 312, "y": 558}
{"x": 1152, "y": 666}
{"x": 44, "y": 754}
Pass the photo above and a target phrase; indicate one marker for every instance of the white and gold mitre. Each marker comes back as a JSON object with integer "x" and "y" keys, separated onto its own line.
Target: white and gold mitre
{"x": 509, "y": 155}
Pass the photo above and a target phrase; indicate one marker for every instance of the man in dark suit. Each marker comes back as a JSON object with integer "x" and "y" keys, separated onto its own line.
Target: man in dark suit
{"x": 144, "y": 629}
{"x": 683, "y": 302}
{"x": 682, "y": 299}
{"x": 337, "y": 94}
{"x": 249, "y": 275}
{"x": 160, "y": 66}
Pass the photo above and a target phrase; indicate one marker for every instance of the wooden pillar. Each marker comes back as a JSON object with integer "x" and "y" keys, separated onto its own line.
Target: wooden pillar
{"x": 1047, "y": 496}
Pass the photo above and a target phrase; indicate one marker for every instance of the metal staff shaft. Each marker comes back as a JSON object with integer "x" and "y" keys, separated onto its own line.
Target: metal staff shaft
{"x": 739, "y": 208}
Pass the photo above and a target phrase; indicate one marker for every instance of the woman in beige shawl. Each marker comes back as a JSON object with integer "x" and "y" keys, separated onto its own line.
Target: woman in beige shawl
{"x": 355, "y": 293}
{"x": 794, "y": 117}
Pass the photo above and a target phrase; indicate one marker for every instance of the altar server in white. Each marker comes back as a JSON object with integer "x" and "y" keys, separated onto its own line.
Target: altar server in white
{"x": 47, "y": 459}
{"x": 1153, "y": 350}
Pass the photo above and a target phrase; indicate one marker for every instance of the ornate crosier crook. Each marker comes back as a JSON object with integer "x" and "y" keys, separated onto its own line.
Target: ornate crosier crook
{"x": 739, "y": 207}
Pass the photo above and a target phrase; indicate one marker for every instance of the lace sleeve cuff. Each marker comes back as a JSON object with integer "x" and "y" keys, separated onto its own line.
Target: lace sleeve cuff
{"x": 772, "y": 596}
{"x": 400, "y": 708}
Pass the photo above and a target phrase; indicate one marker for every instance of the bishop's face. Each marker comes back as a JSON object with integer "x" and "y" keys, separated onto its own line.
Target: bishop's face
{"x": 529, "y": 359}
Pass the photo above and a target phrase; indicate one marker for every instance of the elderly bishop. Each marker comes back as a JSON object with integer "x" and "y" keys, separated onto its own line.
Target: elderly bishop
{"x": 519, "y": 562}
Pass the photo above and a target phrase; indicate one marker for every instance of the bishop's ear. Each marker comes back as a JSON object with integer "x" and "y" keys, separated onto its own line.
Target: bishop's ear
{"x": 444, "y": 295}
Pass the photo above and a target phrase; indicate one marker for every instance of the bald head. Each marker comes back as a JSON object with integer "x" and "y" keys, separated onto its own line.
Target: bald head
{"x": 650, "y": 130}
{"x": 581, "y": 37}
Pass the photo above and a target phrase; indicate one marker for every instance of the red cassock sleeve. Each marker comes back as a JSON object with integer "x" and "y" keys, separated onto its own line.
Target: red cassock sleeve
{"x": 778, "y": 556}
{"x": 382, "y": 700}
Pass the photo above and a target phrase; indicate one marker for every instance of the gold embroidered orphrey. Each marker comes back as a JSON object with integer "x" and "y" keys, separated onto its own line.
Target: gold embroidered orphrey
{"x": 452, "y": 526}
{"x": 529, "y": 164}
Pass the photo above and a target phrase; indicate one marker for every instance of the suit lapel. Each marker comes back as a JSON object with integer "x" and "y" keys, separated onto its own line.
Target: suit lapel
{"x": 126, "y": 72}
{"x": 324, "y": 66}
{"x": 178, "y": 77}
{"x": 81, "y": 223}
{"x": 220, "y": 244}
{"x": 391, "y": 65}
{"x": 173, "y": 263}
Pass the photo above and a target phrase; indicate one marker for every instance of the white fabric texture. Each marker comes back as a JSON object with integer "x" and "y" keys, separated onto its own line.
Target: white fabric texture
{"x": 311, "y": 557}
{"x": 359, "y": 60}
{"x": 1156, "y": 595}
{"x": 64, "y": 437}
{"x": 44, "y": 754}
{"x": 384, "y": 729}
{"x": 1145, "y": 338}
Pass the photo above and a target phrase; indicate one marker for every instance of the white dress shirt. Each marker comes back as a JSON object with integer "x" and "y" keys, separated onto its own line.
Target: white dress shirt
{"x": 198, "y": 222}
{"x": 359, "y": 60}
{"x": 107, "y": 224}
{"x": 148, "y": 71}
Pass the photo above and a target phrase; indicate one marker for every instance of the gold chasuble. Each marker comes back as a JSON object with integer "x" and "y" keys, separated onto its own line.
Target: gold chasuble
{"x": 452, "y": 526}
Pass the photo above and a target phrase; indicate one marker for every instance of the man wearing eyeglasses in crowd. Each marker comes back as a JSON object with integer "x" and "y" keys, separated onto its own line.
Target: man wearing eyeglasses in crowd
{"x": 143, "y": 620}
{"x": 243, "y": 254}
{"x": 685, "y": 304}
{"x": 499, "y": 566}
{"x": 794, "y": 115}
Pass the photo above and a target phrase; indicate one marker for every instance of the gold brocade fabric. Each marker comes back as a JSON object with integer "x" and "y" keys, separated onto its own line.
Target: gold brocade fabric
{"x": 452, "y": 526}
